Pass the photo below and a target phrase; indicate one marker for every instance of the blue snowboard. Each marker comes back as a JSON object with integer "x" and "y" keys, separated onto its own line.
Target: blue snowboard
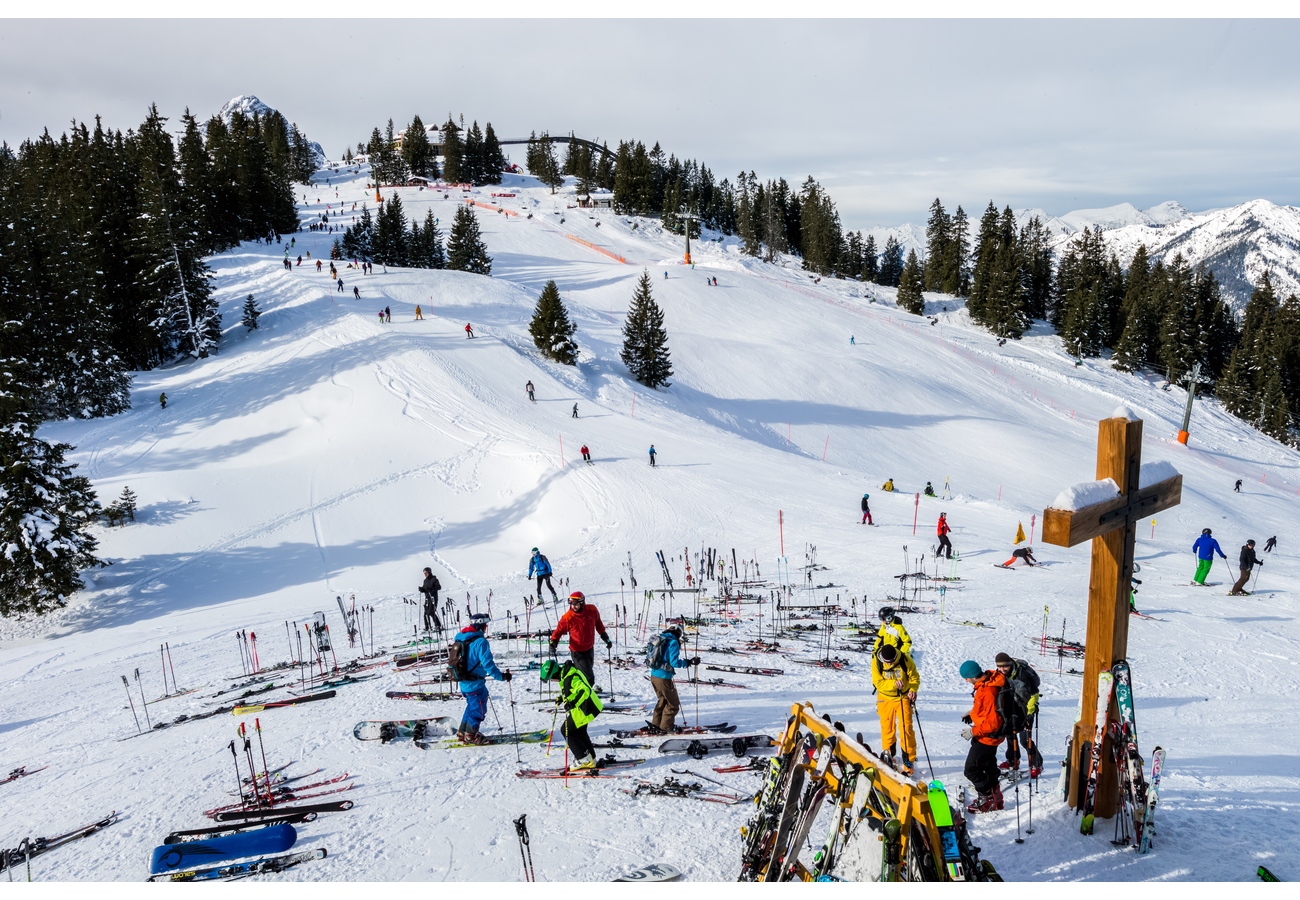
{"x": 173, "y": 857}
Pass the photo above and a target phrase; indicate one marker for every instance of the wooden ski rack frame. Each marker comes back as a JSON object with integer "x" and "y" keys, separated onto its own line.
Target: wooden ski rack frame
{"x": 910, "y": 798}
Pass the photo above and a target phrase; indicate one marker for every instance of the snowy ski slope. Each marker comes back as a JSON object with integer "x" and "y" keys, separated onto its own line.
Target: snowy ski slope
{"x": 328, "y": 454}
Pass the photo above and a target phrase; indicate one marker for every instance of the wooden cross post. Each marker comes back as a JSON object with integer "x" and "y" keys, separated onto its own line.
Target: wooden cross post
{"x": 1112, "y": 527}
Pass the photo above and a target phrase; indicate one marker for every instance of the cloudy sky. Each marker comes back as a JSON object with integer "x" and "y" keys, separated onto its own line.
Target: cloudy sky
{"x": 887, "y": 114}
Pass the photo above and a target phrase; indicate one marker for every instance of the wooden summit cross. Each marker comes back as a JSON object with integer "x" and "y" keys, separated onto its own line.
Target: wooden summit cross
{"x": 1111, "y": 526}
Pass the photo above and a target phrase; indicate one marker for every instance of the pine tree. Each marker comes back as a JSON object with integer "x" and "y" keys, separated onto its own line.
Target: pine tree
{"x": 453, "y": 168}
{"x": 390, "y": 241}
{"x": 1274, "y": 416}
{"x": 937, "y": 235}
{"x": 645, "y": 343}
{"x": 910, "y": 284}
{"x": 465, "y": 249}
{"x": 417, "y": 151}
{"x": 433, "y": 252}
{"x": 548, "y": 168}
{"x": 473, "y": 155}
{"x": 359, "y": 240}
{"x": 45, "y": 510}
{"x": 126, "y": 502}
{"x": 494, "y": 161}
{"x": 251, "y": 313}
{"x": 551, "y": 329}
{"x": 870, "y": 260}
{"x": 891, "y": 263}
{"x": 1235, "y": 388}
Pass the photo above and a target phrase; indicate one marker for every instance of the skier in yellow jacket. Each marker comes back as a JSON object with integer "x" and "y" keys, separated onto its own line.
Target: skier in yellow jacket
{"x": 896, "y": 680}
{"x": 892, "y": 632}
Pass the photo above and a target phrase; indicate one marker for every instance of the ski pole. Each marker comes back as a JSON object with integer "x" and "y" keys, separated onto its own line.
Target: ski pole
{"x": 609, "y": 663}
{"x": 252, "y": 766}
{"x": 144, "y": 703}
{"x": 252, "y": 636}
{"x": 514, "y": 721}
{"x": 126, "y": 684}
{"x": 266, "y": 770}
{"x": 162, "y": 656}
{"x": 1257, "y": 571}
{"x": 289, "y": 635}
{"x": 242, "y": 664}
{"x": 921, "y": 731}
{"x": 521, "y": 829}
{"x": 239, "y": 779}
{"x": 1019, "y": 839}
{"x": 171, "y": 666}
{"x": 550, "y": 738}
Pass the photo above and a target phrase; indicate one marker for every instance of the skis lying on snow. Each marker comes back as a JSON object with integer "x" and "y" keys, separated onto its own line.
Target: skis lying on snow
{"x": 746, "y": 670}
{"x": 602, "y": 765}
{"x": 20, "y": 772}
{"x": 617, "y": 744}
{"x": 277, "y": 781}
{"x": 276, "y": 704}
{"x": 756, "y": 764}
{"x": 720, "y": 728}
{"x": 420, "y": 695}
{"x": 686, "y": 790}
{"x": 515, "y": 737}
{"x": 197, "y": 834}
{"x": 281, "y": 792}
{"x": 1263, "y": 873}
{"x": 240, "y": 815}
{"x": 29, "y": 848}
{"x": 286, "y": 796}
{"x": 243, "y": 870}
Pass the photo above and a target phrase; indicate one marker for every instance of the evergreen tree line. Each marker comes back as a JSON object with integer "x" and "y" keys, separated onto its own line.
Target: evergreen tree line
{"x": 386, "y": 239}
{"x": 474, "y": 157}
{"x": 102, "y": 240}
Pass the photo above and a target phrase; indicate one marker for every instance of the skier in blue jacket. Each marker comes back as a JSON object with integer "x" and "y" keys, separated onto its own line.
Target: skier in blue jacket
{"x": 1206, "y": 546}
{"x": 478, "y": 667}
{"x": 540, "y": 566}
{"x": 666, "y": 662}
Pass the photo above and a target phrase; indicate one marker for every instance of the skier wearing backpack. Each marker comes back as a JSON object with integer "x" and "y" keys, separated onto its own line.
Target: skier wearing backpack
{"x": 581, "y": 623}
{"x": 579, "y": 698}
{"x": 896, "y": 680}
{"x": 663, "y": 656}
{"x": 541, "y": 566}
{"x": 1024, "y": 684}
{"x": 471, "y": 659}
{"x": 866, "y": 510}
{"x": 984, "y": 731}
{"x": 892, "y": 632}
{"x": 1206, "y": 546}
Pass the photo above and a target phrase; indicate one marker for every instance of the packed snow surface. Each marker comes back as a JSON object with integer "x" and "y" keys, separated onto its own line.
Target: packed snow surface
{"x": 327, "y": 454}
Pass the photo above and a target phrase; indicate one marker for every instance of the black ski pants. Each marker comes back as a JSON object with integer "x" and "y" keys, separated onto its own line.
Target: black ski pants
{"x": 982, "y": 765}
{"x": 577, "y": 738}
{"x": 547, "y": 579}
{"x": 431, "y": 619}
{"x": 944, "y": 542}
{"x": 582, "y": 661}
{"x": 1025, "y": 739}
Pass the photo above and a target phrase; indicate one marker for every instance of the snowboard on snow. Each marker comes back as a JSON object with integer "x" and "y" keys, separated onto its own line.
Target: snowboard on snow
{"x": 412, "y": 728}
{"x": 653, "y": 872}
{"x": 187, "y": 855}
{"x": 739, "y": 745}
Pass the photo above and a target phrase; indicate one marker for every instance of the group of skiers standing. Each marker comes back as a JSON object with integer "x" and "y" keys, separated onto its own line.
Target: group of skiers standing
{"x": 1004, "y": 708}
{"x": 1206, "y": 546}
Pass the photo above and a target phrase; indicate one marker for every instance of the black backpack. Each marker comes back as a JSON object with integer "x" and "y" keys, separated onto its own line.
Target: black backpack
{"x": 1009, "y": 710}
{"x": 458, "y": 659}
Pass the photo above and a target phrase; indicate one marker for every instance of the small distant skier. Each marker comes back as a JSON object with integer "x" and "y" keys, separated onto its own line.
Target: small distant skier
{"x": 929, "y": 490}
{"x": 469, "y": 330}
{"x": 300, "y": 259}
{"x": 318, "y": 265}
{"x": 1248, "y": 562}
{"x": 575, "y": 410}
{"x": 340, "y": 290}
{"x": 888, "y": 485}
{"x": 1270, "y": 544}
{"x": 665, "y": 274}
{"x": 540, "y": 566}
{"x": 1206, "y": 546}
{"x": 162, "y": 398}
{"x": 418, "y": 316}
{"x": 381, "y": 317}
{"x": 652, "y": 456}
{"x": 585, "y": 454}
{"x": 388, "y": 314}
{"x": 1237, "y": 487}
{"x": 943, "y": 531}
{"x": 356, "y": 292}
{"x": 866, "y": 510}
{"x": 529, "y": 388}
{"x": 852, "y": 342}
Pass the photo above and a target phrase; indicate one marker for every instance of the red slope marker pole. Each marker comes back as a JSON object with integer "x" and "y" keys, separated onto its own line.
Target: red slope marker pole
{"x": 916, "y": 513}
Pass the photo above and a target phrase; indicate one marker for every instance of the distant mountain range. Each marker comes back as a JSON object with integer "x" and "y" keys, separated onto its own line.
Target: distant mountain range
{"x": 1239, "y": 243}
{"x": 248, "y": 105}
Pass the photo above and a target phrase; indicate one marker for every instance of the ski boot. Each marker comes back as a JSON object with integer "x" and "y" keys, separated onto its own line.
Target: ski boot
{"x": 990, "y": 802}
{"x": 906, "y": 768}
{"x": 652, "y": 728}
{"x": 1009, "y": 764}
{"x": 473, "y": 737}
{"x": 585, "y": 762}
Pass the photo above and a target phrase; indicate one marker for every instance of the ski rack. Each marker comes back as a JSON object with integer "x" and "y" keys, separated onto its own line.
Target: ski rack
{"x": 910, "y": 798}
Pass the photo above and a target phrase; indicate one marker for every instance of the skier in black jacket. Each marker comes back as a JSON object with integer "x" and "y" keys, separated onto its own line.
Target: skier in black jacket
{"x": 1024, "y": 684}
{"x": 430, "y": 590}
{"x": 1248, "y": 561}
{"x": 866, "y": 510}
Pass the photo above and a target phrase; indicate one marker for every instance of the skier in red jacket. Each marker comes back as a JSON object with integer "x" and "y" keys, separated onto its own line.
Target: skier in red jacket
{"x": 943, "y": 535}
{"x": 582, "y": 623}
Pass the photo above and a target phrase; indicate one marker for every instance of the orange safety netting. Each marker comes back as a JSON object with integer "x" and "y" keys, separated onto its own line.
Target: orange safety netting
{"x": 501, "y": 209}
{"x": 597, "y": 249}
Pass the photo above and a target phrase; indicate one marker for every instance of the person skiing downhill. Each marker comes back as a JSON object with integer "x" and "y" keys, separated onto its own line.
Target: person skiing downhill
{"x": 586, "y": 454}
{"x": 1024, "y": 553}
{"x": 1248, "y": 561}
{"x": 1237, "y": 487}
{"x": 469, "y": 330}
{"x": 652, "y": 455}
{"x": 943, "y": 530}
{"x": 983, "y": 725}
{"x": 579, "y": 698}
{"x": 541, "y": 567}
{"x": 581, "y": 623}
{"x": 896, "y": 680}
{"x": 340, "y": 290}
{"x": 1206, "y": 546}
{"x": 866, "y": 510}
{"x": 162, "y": 399}
{"x": 473, "y": 673}
{"x": 529, "y": 388}
{"x": 575, "y": 410}
{"x": 1270, "y": 544}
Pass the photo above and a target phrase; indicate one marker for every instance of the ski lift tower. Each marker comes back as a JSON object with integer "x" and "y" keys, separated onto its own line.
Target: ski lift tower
{"x": 688, "y": 216}
{"x": 1193, "y": 378}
